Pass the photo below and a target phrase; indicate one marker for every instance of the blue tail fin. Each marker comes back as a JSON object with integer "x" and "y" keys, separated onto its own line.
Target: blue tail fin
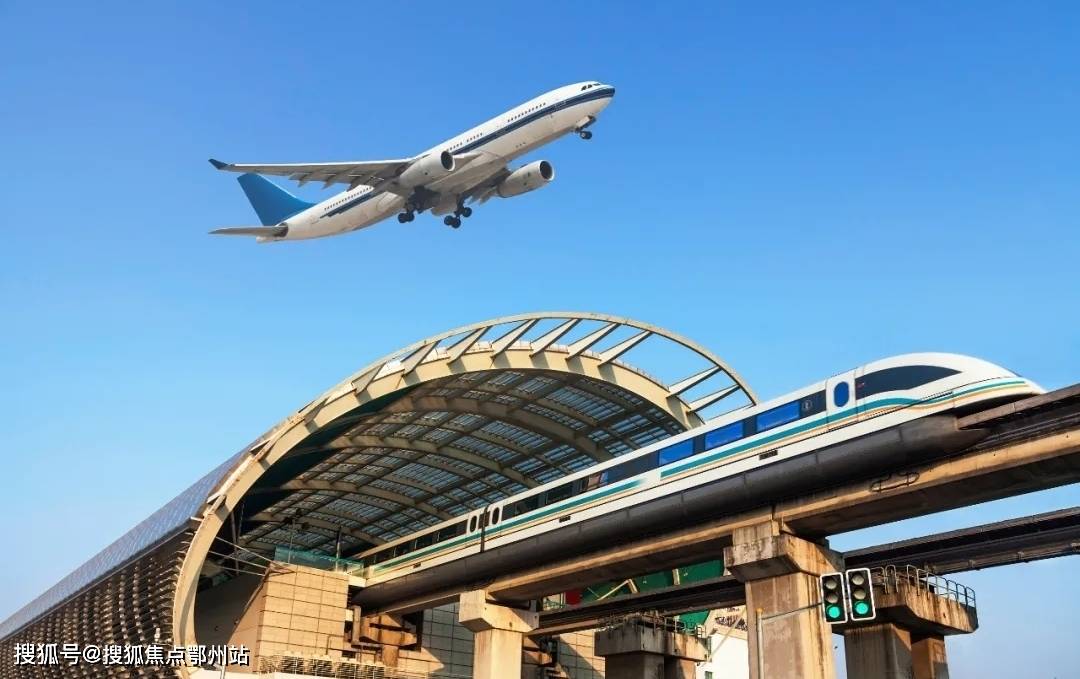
{"x": 272, "y": 203}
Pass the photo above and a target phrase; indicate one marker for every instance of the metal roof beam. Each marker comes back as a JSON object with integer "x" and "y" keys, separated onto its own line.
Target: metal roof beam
{"x": 459, "y": 348}
{"x": 583, "y": 344}
{"x": 362, "y": 489}
{"x": 609, "y": 355}
{"x": 430, "y": 448}
{"x": 506, "y": 341}
{"x": 284, "y": 519}
{"x": 553, "y": 336}
{"x": 715, "y": 397}
{"x": 522, "y": 419}
{"x": 697, "y": 378}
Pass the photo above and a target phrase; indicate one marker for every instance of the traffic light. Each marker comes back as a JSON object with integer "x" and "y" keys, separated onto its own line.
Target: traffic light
{"x": 832, "y": 597}
{"x": 861, "y": 592}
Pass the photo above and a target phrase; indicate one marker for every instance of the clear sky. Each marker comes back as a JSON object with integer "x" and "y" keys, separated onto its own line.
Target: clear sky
{"x": 801, "y": 188}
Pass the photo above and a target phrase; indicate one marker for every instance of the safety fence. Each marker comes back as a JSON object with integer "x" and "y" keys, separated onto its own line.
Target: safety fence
{"x": 894, "y": 578}
{"x": 317, "y": 560}
{"x": 654, "y": 620}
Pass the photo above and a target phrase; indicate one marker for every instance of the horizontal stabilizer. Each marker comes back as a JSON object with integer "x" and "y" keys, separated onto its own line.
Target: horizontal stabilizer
{"x": 265, "y": 231}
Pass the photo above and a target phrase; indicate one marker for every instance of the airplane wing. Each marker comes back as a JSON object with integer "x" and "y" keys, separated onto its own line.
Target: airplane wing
{"x": 354, "y": 173}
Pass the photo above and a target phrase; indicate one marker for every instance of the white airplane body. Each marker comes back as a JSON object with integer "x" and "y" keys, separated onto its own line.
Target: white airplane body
{"x": 470, "y": 167}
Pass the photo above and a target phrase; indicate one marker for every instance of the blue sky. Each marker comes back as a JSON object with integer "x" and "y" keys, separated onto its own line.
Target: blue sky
{"x": 801, "y": 188}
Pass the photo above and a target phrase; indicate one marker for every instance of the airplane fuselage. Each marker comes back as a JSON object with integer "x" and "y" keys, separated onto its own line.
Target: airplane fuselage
{"x": 490, "y": 145}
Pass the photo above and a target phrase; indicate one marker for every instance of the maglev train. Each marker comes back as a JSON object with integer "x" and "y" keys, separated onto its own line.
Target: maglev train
{"x": 878, "y": 417}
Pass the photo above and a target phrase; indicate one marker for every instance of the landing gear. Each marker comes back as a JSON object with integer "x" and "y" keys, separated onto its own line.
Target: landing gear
{"x": 454, "y": 220}
{"x": 406, "y": 216}
{"x": 585, "y": 134}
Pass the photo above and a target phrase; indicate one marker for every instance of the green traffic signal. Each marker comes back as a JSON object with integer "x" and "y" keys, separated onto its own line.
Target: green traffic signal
{"x": 861, "y": 593}
{"x": 832, "y": 597}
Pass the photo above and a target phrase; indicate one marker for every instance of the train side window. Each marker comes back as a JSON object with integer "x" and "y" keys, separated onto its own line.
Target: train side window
{"x": 425, "y": 540}
{"x": 789, "y": 412}
{"x": 472, "y": 524}
{"x": 633, "y": 467}
{"x": 495, "y": 516}
{"x": 724, "y": 435}
{"x": 450, "y": 532}
{"x": 558, "y": 493}
{"x": 812, "y": 404}
{"x": 594, "y": 481}
{"x": 403, "y": 548}
{"x": 899, "y": 379}
{"x": 677, "y": 451}
{"x": 522, "y": 506}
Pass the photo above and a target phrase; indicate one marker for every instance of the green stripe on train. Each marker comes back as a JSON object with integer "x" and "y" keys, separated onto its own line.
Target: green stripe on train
{"x": 525, "y": 518}
{"x": 812, "y": 424}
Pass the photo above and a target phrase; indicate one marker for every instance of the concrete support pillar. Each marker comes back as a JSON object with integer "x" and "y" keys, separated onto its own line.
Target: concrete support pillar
{"x": 498, "y": 632}
{"x": 881, "y": 651}
{"x": 680, "y": 668}
{"x": 648, "y": 647}
{"x": 907, "y": 638}
{"x": 788, "y": 637}
{"x": 634, "y": 666}
{"x": 928, "y": 658}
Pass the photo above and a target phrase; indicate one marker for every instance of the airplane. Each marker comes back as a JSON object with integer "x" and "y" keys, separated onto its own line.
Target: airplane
{"x": 472, "y": 167}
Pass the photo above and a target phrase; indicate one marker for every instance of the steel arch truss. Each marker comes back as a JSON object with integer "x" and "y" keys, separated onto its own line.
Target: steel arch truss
{"x": 466, "y": 437}
{"x": 445, "y": 425}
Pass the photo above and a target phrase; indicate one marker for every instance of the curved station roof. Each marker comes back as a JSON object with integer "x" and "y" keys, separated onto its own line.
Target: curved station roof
{"x": 435, "y": 429}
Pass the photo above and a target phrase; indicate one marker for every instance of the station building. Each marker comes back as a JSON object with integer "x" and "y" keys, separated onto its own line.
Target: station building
{"x": 262, "y": 552}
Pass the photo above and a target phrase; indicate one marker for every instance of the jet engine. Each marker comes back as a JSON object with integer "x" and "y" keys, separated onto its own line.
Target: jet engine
{"x": 427, "y": 169}
{"x": 526, "y": 178}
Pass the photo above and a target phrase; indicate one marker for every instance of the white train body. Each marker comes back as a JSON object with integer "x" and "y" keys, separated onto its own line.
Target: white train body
{"x": 752, "y": 455}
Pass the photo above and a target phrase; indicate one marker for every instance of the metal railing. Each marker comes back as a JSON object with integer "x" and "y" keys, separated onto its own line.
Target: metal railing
{"x": 892, "y": 578}
{"x": 340, "y": 669}
{"x": 654, "y": 620}
{"x": 317, "y": 560}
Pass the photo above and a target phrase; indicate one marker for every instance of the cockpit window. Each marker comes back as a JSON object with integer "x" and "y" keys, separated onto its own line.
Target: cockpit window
{"x": 899, "y": 379}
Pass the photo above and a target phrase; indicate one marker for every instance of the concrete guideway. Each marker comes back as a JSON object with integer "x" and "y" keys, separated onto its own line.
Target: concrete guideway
{"x": 1042, "y": 536}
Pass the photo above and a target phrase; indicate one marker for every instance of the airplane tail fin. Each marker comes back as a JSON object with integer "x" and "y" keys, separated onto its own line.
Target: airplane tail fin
{"x": 272, "y": 203}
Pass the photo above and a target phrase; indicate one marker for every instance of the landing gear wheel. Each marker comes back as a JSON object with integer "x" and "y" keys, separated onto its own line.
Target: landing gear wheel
{"x": 406, "y": 217}
{"x": 451, "y": 221}
{"x": 585, "y": 134}
{"x": 466, "y": 212}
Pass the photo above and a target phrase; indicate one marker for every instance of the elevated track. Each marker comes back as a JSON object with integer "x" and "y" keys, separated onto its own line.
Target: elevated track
{"x": 1033, "y": 444}
{"x": 1031, "y": 538}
